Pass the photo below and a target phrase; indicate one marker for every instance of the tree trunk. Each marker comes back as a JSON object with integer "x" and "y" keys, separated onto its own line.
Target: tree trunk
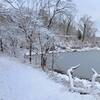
{"x": 68, "y": 26}
{"x": 30, "y": 52}
{"x": 1, "y": 44}
{"x": 52, "y": 61}
{"x": 52, "y": 66}
{"x": 43, "y": 61}
{"x": 84, "y": 31}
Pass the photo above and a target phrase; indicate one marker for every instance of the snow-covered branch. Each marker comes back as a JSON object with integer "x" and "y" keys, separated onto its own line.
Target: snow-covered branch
{"x": 70, "y": 72}
{"x": 71, "y": 81}
{"x": 94, "y": 76}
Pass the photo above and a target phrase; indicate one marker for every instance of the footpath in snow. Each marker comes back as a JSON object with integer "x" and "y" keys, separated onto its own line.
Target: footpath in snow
{"x": 22, "y": 82}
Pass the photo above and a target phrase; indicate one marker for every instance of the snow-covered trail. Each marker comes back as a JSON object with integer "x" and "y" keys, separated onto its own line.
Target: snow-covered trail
{"x": 22, "y": 82}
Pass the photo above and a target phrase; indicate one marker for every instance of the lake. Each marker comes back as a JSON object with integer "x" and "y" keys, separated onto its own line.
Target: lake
{"x": 86, "y": 59}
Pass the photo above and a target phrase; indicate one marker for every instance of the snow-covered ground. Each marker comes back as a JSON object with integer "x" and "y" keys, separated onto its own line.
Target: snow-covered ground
{"x": 22, "y": 82}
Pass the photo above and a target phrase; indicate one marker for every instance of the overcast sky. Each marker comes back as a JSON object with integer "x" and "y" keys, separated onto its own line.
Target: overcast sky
{"x": 89, "y": 7}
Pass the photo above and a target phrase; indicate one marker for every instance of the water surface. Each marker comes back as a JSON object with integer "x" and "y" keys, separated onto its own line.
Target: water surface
{"x": 87, "y": 60}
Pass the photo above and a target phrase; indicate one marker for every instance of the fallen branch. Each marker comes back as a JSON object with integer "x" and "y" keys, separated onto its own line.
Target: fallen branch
{"x": 70, "y": 72}
{"x": 72, "y": 87}
{"x": 94, "y": 76}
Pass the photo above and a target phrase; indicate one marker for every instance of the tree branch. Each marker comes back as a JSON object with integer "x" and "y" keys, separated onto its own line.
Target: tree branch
{"x": 69, "y": 72}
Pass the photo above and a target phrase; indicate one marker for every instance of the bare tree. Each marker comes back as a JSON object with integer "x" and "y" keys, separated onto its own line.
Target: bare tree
{"x": 86, "y": 26}
{"x": 29, "y": 31}
{"x": 24, "y": 19}
{"x": 60, "y": 7}
{"x": 45, "y": 46}
{"x": 69, "y": 22}
{"x": 13, "y": 42}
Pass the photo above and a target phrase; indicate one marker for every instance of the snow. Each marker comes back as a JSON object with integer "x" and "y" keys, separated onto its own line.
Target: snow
{"x": 76, "y": 84}
{"x": 19, "y": 81}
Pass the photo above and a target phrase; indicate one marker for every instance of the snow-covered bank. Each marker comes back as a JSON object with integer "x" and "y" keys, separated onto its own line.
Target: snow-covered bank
{"x": 85, "y": 49}
{"x": 59, "y": 50}
{"x": 87, "y": 87}
{"x": 21, "y": 82}
{"x": 68, "y": 49}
